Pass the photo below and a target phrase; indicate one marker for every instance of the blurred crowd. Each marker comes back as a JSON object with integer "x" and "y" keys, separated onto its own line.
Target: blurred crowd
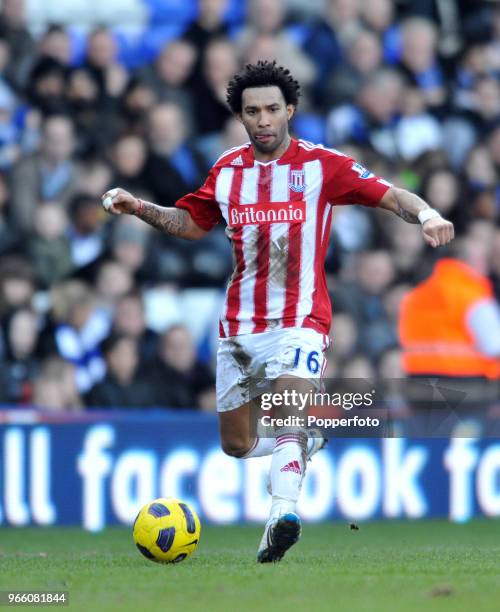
{"x": 410, "y": 88}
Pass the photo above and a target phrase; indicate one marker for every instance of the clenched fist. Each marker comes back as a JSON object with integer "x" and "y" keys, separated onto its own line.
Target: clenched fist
{"x": 438, "y": 232}
{"x": 118, "y": 201}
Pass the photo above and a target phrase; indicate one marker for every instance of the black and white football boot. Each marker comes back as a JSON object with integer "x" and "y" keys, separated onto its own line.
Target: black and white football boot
{"x": 279, "y": 535}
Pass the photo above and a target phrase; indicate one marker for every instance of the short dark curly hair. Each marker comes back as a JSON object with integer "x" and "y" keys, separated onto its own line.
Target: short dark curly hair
{"x": 262, "y": 74}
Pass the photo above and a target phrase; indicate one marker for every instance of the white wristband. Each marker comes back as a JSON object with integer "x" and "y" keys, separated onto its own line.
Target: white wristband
{"x": 428, "y": 213}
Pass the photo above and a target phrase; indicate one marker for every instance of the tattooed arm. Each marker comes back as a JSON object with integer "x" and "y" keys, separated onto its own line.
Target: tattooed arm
{"x": 174, "y": 221}
{"x": 403, "y": 203}
{"x": 436, "y": 231}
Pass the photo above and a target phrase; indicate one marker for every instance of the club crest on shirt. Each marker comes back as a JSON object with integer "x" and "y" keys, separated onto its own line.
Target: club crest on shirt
{"x": 297, "y": 182}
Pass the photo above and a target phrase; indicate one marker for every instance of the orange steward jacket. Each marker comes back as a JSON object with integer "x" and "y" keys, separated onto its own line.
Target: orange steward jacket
{"x": 433, "y": 327}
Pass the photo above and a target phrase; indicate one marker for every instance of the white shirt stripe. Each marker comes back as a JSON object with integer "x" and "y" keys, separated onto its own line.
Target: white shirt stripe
{"x": 223, "y": 190}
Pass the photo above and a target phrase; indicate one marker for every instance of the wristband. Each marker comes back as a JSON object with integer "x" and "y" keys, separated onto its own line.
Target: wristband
{"x": 140, "y": 208}
{"x": 428, "y": 213}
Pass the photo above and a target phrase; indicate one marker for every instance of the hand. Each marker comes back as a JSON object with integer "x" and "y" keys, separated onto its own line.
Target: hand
{"x": 438, "y": 232}
{"x": 118, "y": 201}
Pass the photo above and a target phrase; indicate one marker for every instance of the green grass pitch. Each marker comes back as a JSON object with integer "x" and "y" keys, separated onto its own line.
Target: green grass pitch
{"x": 383, "y": 566}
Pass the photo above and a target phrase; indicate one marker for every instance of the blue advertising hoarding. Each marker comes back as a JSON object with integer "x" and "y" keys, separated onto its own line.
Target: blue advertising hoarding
{"x": 98, "y": 470}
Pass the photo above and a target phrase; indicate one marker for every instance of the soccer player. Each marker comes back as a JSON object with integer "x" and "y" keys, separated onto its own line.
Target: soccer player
{"x": 275, "y": 194}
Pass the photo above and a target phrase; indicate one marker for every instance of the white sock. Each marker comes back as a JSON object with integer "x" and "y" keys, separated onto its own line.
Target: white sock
{"x": 287, "y": 472}
{"x": 261, "y": 447}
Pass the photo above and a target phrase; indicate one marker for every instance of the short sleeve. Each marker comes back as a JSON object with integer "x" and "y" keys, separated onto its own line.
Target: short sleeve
{"x": 348, "y": 182}
{"x": 202, "y": 205}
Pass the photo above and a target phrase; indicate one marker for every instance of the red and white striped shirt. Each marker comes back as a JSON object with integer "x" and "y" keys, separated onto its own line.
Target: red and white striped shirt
{"x": 278, "y": 217}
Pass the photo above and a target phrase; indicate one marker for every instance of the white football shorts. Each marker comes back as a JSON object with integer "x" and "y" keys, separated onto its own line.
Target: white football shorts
{"x": 245, "y": 363}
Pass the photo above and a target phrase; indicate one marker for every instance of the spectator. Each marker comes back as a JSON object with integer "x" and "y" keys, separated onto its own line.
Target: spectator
{"x": 49, "y": 248}
{"x": 9, "y": 132}
{"x": 93, "y": 176}
{"x": 450, "y": 323}
{"x": 344, "y": 335}
{"x": 494, "y": 145}
{"x": 44, "y": 176}
{"x": 233, "y": 135}
{"x": 209, "y": 24}
{"x": 128, "y": 158}
{"x": 14, "y": 31}
{"x": 358, "y": 366}
{"x": 363, "y": 56}
{"x": 494, "y": 263}
{"x": 480, "y": 171}
{"x": 219, "y": 65}
{"x": 93, "y": 117}
{"x": 130, "y": 246}
{"x": 9, "y": 237}
{"x": 130, "y": 319}
{"x": 138, "y": 101}
{"x": 173, "y": 167}
{"x": 322, "y": 44}
{"x": 54, "y": 388}
{"x": 56, "y": 43}
{"x": 102, "y": 60}
{"x": 364, "y": 300}
{"x": 17, "y": 284}
{"x": 19, "y": 364}
{"x": 417, "y": 130}
{"x": 407, "y": 250}
{"x": 419, "y": 61}
{"x": 86, "y": 232}
{"x": 75, "y": 330}
{"x": 373, "y": 120}
{"x": 172, "y": 73}
{"x": 378, "y": 16}
{"x": 179, "y": 380}
{"x": 444, "y": 192}
{"x": 113, "y": 280}
{"x": 122, "y": 387}
{"x": 267, "y": 20}
{"x": 47, "y": 86}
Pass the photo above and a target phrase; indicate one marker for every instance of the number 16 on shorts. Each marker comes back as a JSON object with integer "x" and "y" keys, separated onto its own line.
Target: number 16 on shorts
{"x": 312, "y": 360}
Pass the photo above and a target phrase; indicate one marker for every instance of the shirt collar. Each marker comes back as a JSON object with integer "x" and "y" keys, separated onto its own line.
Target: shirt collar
{"x": 249, "y": 156}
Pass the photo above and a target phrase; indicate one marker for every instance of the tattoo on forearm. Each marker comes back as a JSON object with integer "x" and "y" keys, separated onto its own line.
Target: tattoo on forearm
{"x": 169, "y": 220}
{"x": 406, "y": 215}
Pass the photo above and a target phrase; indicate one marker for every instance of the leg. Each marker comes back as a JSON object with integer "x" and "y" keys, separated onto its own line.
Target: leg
{"x": 234, "y": 426}
{"x": 237, "y": 434}
{"x": 288, "y": 467}
{"x": 236, "y": 363}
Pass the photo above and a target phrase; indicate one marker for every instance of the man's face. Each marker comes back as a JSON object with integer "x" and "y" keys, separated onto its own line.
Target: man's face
{"x": 265, "y": 115}
{"x": 58, "y": 142}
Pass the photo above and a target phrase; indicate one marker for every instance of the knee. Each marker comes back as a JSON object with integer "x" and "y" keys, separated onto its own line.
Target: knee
{"x": 235, "y": 448}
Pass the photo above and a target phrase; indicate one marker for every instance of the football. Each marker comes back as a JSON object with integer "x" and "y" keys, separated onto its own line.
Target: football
{"x": 167, "y": 530}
